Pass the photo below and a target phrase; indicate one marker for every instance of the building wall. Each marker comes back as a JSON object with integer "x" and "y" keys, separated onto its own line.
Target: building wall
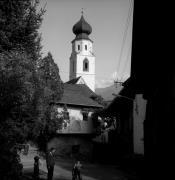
{"x": 82, "y": 49}
{"x": 65, "y": 143}
{"x": 77, "y": 124}
{"x": 139, "y": 113}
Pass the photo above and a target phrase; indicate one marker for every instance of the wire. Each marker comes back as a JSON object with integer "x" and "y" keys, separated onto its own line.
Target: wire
{"x": 122, "y": 48}
{"x": 118, "y": 95}
{"x": 125, "y": 34}
{"x": 126, "y": 62}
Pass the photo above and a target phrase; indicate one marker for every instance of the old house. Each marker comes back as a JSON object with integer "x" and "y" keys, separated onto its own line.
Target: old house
{"x": 120, "y": 109}
{"x": 129, "y": 110}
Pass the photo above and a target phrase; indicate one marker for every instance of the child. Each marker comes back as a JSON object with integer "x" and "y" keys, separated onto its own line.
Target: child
{"x": 36, "y": 167}
{"x": 76, "y": 171}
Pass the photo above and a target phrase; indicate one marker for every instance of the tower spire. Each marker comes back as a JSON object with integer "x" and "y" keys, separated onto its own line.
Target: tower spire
{"x": 82, "y": 11}
{"x": 82, "y": 59}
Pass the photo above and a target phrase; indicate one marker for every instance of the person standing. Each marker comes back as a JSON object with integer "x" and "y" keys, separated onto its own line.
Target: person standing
{"x": 36, "y": 168}
{"x": 50, "y": 161}
{"x": 76, "y": 171}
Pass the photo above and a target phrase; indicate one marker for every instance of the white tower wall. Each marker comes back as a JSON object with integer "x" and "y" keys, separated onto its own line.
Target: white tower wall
{"x": 82, "y": 51}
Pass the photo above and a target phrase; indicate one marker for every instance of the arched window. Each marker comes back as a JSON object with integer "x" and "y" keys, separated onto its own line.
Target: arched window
{"x": 78, "y": 47}
{"x": 73, "y": 66}
{"x": 86, "y": 65}
{"x": 86, "y": 47}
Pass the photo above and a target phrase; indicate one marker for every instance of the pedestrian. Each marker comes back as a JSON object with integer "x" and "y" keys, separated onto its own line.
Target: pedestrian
{"x": 50, "y": 161}
{"x": 76, "y": 171}
{"x": 36, "y": 168}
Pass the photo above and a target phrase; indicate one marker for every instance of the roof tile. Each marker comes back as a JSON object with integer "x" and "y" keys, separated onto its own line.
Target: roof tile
{"x": 78, "y": 94}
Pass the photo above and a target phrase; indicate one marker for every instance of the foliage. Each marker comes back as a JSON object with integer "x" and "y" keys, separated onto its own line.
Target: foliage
{"x": 50, "y": 79}
{"x": 27, "y": 91}
{"x": 19, "y": 24}
{"x": 66, "y": 118}
{"x": 99, "y": 122}
{"x": 52, "y": 90}
{"x": 17, "y": 108}
{"x": 50, "y": 125}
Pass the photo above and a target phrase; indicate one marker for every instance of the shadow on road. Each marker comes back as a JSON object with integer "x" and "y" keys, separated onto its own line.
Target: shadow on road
{"x": 94, "y": 171}
{"x": 90, "y": 171}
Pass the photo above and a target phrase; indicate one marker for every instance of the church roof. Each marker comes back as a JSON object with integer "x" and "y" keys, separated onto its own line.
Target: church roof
{"x": 82, "y": 29}
{"x": 78, "y": 94}
{"x": 73, "y": 81}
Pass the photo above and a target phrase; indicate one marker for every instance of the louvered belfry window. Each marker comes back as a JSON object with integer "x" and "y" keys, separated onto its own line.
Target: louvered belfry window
{"x": 86, "y": 65}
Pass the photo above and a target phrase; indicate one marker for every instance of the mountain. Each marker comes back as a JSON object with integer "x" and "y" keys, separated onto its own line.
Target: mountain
{"x": 107, "y": 92}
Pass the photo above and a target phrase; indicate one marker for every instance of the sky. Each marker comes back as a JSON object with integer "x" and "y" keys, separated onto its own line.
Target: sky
{"x": 111, "y": 22}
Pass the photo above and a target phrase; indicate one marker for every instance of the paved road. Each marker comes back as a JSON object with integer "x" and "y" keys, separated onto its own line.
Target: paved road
{"x": 63, "y": 169}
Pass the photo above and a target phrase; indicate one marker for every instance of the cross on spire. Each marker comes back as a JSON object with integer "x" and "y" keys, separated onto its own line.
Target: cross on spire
{"x": 82, "y": 11}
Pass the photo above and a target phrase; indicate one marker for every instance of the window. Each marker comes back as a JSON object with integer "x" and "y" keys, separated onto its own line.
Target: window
{"x": 66, "y": 115}
{"x": 78, "y": 47}
{"x": 86, "y": 65}
{"x": 85, "y": 113}
{"x": 85, "y": 116}
{"x": 85, "y": 47}
{"x": 73, "y": 66}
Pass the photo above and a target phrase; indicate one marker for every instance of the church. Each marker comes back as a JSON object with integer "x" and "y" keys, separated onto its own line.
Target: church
{"x": 78, "y": 101}
{"x": 82, "y": 59}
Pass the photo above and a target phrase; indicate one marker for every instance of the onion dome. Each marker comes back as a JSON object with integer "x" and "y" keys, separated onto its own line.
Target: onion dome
{"x": 82, "y": 29}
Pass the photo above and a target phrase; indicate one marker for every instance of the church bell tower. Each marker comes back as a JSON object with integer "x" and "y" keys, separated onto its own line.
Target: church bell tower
{"x": 82, "y": 59}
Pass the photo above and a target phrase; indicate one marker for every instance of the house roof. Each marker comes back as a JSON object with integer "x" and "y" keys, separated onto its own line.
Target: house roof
{"x": 122, "y": 102}
{"x": 78, "y": 94}
{"x": 73, "y": 81}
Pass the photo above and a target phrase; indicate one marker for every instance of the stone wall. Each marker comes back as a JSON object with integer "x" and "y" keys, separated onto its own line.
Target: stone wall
{"x": 139, "y": 112}
{"x": 65, "y": 145}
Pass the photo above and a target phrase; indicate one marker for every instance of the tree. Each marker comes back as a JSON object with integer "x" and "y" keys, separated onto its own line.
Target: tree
{"x": 50, "y": 79}
{"x": 52, "y": 90}
{"x": 19, "y": 24}
{"x": 17, "y": 108}
{"x": 25, "y": 93}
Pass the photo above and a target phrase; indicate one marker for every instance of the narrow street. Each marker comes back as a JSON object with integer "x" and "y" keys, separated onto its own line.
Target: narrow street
{"x": 63, "y": 170}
